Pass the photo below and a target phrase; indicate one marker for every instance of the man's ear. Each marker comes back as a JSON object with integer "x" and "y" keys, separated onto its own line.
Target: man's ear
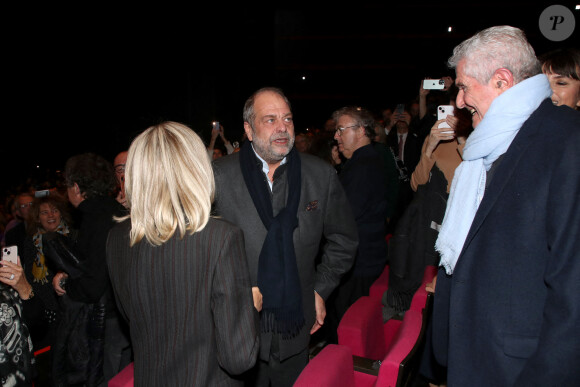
{"x": 502, "y": 79}
{"x": 248, "y": 130}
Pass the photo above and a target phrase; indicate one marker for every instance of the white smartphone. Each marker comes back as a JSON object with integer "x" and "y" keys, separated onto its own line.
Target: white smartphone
{"x": 433, "y": 84}
{"x": 442, "y": 112}
{"x": 10, "y": 253}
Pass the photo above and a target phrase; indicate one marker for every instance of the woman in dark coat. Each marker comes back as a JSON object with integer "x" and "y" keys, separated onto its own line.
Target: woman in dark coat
{"x": 180, "y": 276}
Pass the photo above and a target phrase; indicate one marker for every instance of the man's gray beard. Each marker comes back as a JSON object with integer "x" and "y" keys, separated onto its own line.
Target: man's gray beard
{"x": 265, "y": 150}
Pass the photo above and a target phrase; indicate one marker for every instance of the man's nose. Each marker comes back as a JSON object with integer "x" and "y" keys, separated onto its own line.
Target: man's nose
{"x": 459, "y": 100}
{"x": 281, "y": 126}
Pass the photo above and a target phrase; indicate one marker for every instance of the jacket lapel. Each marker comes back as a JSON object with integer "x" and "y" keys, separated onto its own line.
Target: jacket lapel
{"x": 503, "y": 174}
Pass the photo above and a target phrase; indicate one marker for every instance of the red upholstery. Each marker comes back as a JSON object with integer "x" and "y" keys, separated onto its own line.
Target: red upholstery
{"x": 361, "y": 328}
{"x": 404, "y": 342}
{"x": 331, "y": 367}
{"x": 123, "y": 378}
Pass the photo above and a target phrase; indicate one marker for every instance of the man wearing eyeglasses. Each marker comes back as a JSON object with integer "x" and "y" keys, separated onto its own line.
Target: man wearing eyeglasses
{"x": 364, "y": 179}
{"x": 17, "y": 234}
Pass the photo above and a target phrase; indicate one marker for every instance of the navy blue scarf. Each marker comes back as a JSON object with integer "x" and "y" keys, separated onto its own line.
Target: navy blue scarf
{"x": 278, "y": 278}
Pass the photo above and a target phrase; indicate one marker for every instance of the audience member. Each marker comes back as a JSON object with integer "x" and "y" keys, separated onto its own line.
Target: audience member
{"x": 364, "y": 179}
{"x": 562, "y": 67}
{"x": 412, "y": 246}
{"x": 47, "y": 214}
{"x": 168, "y": 254}
{"x": 218, "y": 151}
{"x": 506, "y": 310}
{"x": 337, "y": 157}
{"x": 12, "y": 219}
{"x": 285, "y": 202}
{"x": 390, "y": 164}
{"x": 303, "y": 142}
{"x": 90, "y": 322}
{"x": 119, "y": 167}
{"x": 330, "y": 126}
{"x": 17, "y": 306}
{"x": 405, "y": 145}
{"x": 387, "y": 115}
{"x": 403, "y": 142}
{"x": 16, "y": 235}
{"x": 429, "y": 100}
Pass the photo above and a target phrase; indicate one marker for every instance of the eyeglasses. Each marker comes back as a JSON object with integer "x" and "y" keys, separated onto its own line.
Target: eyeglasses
{"x": 26, "y": 205}
{"x": 339, "y": 130}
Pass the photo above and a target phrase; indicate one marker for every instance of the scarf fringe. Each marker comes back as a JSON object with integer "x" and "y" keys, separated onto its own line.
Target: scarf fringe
{"x": 285, "y": 323}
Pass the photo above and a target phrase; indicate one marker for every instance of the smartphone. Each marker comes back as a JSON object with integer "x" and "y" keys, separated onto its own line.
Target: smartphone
{"x": 42, "y": 193}
{"x": 442, "y": 112}
{"x": 400, "y": 108}
{"x": 433, "y": 84}
{"x": 10, "y": 253}
{"x": 216, "y": 125}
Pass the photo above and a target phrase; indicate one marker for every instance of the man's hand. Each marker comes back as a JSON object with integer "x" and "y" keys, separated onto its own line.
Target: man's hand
{"x": 430, "y": 287}
{"x": 320, "y": 307}
{"x": 56, "y": 282}
{"x": 258, "y": 301}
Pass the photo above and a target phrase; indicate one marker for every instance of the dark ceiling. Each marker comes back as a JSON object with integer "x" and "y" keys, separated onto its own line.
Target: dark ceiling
{"x": 91, "y": 82}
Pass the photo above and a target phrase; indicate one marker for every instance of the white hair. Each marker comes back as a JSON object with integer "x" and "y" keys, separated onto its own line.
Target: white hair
{"x": 495, "y": 48}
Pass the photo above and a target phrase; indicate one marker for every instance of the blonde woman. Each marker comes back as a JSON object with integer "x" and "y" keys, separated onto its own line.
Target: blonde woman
{"x": 180, "y": 276}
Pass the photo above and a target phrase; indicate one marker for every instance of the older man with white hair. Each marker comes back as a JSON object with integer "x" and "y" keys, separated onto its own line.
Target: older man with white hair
{"x": 506, "y": 309}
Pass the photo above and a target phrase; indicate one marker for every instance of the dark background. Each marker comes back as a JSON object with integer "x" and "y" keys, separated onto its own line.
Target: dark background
{"x": 78, "y": 80}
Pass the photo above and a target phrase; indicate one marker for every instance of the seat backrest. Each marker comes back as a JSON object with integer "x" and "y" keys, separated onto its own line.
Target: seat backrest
{"x": 331, "y": 367}
{"x": 361, "y": 328}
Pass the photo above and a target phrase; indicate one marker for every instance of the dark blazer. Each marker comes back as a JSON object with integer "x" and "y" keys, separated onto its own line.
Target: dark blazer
{"x": 412, "y": 149}
{"x": 509, "y": 314}
{"x": 364, "y": 180}
{"x": 323, "y": 212}
{"x": 189, "y": 305}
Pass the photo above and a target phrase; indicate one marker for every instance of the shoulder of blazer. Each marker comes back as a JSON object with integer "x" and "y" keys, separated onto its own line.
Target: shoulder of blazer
{"x": 315, "y": 165}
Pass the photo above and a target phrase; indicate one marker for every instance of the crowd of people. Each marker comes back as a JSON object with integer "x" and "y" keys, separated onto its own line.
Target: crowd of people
{"x": 222, "y": 263}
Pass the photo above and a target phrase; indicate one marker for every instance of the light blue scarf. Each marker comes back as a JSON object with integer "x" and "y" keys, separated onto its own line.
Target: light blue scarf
{"x": 487, "y": 142}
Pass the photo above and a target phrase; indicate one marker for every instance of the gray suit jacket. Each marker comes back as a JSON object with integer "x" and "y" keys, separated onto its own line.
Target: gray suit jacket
{"x": 189, "y": 305}
{"x": 325, "y": 221}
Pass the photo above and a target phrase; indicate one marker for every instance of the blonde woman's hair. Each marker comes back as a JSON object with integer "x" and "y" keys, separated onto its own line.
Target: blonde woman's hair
{"x": 169, "y": 183}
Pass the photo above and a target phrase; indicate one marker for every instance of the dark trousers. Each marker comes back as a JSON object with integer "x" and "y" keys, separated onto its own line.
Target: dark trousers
{"x": 276, "y": 373}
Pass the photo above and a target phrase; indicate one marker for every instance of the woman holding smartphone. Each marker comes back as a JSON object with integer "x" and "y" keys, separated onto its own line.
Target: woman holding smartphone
{"x": 17, "y": 305}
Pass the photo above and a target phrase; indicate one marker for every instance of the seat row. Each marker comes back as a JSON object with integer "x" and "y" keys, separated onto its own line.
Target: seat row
{"x": 370, "y": 352}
